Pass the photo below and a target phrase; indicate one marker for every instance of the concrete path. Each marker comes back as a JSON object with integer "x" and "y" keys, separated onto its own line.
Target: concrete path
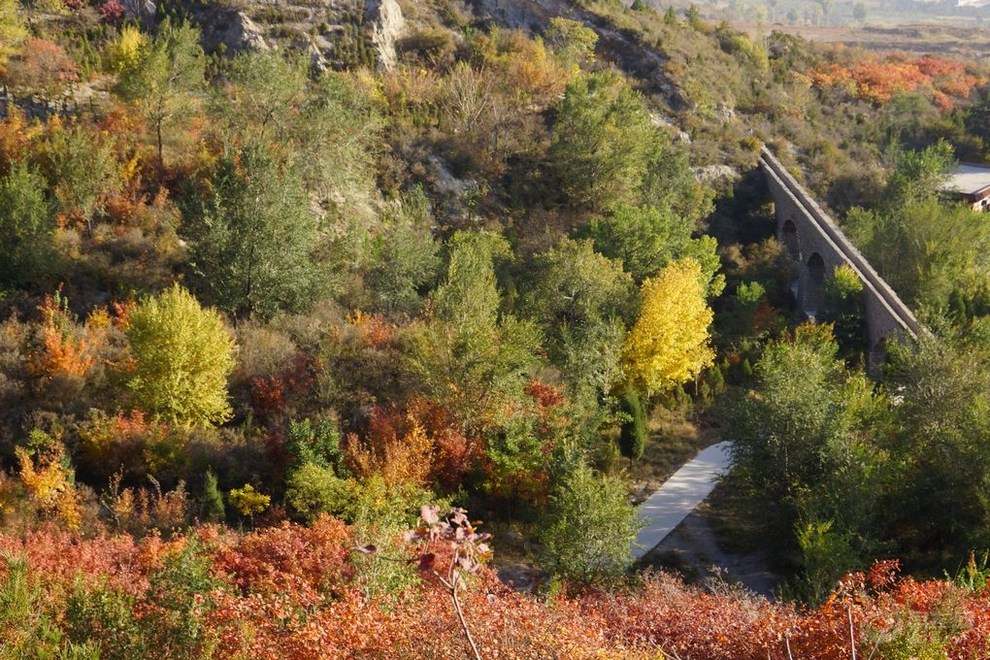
{"x": 678, "y": 496}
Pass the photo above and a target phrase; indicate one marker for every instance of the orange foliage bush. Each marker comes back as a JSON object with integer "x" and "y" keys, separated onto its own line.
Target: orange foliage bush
{"x": 308, "y": 562}
{"x": 419, "y": 444}
{"x": 16, "y": 135}
{"x": 42, "y": 66}
{"x": 65, "y": 349}
{"x": 373, "y": 329}
{"x": 141, "y": 510}
{"x": 290, "y": 592}
{"x": 878, "y": 80}
{"x": 47, "y": 478}
{"x": 397, "y": 448}
{"x": 285, "y": 392}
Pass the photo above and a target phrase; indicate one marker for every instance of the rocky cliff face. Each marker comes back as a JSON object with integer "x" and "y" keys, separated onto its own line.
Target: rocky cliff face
{"x": 237, "y": 34}
{"x": 387, "y": 26}
{"x": 334, "y": 33}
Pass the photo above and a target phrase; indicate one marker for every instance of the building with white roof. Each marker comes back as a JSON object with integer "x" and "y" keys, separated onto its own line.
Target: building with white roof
{"x": 971, "y": 183}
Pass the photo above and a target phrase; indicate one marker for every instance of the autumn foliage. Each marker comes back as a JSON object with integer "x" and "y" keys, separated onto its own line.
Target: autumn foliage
{"x": 669, "y": 344}
{"x": 877, "y": 78}
{"x": 290, "y": 592}
{"x": 418, "y": 444}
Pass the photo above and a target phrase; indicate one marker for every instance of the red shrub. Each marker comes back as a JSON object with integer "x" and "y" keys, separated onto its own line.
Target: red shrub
{"x": 285, "y": 392}
{"x": 287, "y": 592}
{"x": 111, "y": 11}
{"x": 308, "y": 562}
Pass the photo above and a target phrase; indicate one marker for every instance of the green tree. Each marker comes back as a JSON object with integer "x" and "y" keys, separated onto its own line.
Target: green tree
{"x": 941, "y": 449}
{"x": 82, "y": 172}
{"x": 470, "y": 355}
{"x": 591, "y": 361}
{"x": 404, "y": 255}
{"x": 826, "y": 6}
{"x": 578, "y": 287}
{"x": 98, "y": 615}
{"x": 917, "y": 175}
{"x": 860, "y": 11}
{"x": 254, "y": 240}
{"x": 313, "y": 490}
{"x": 27, "y": 228}
{"x": 589, "y": 527}
{"x": 633, "y": 432}
{"x": 213, "y": 509}
{"x": 165, "y": 77}
{"x": 601, "y": 143}
{"x": 977, "y": 117}
{"x": 929, "y": 252}
{"x": 810, "y": 446}
{"x": 248, "y": 501}
{"x": 645, "y": 239}
{"x": 261, "y": 98}
{"x": 27, "y": 625}
{"x": 670, "y": 184}
{"x": 933, "y": 254}
{"x": 181, "y": 593}
{"x": 183, "y": 355}
{"x": 826, "y": 556}
{"x": 669, "y": 343}
{"x": 316, "y": 444}
{"x": 580, "y": 299}
{"x": 846, "y": 309}
{"x": 787, "y": 433}
{"x": 694, "y": 19}
{"x": 327, "y": 129}
{"x": 572, "y": 41}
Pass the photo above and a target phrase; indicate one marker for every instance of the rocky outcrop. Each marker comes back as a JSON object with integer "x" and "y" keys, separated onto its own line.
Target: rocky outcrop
{"x": 317, "y": 62}
{"x": 139, "y": 10}
{"x": 387, "y": 25}
{"x": 243, "y": 34}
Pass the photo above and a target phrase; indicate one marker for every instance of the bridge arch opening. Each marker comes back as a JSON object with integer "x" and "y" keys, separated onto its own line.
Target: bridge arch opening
{"x": 789, "y": 237}
{"x": 814, "y": 289}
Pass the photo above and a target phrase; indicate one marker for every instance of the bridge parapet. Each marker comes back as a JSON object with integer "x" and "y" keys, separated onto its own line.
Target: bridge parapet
{"x": 816, "y": 242}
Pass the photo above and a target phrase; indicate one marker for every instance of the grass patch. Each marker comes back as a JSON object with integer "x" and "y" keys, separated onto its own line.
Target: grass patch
{"x": 676, "y": 436}
{"x": 730, "y": 514}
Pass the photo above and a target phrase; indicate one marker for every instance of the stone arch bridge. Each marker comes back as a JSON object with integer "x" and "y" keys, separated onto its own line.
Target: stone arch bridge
{"x": 817, "y": 246}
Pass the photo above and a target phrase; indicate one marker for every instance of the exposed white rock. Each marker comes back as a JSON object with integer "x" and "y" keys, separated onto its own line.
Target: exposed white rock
{"x": 715, "y": 173}
{"x": 139, "y": 9}
{"x": 316, "y": 59}
{"x": 243, "y": 34}
{"x": 387, "y": 26}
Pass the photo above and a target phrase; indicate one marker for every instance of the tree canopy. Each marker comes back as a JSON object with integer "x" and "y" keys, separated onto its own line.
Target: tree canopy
{"x": 669, "y": 343}
{"x": 183, "y": 356}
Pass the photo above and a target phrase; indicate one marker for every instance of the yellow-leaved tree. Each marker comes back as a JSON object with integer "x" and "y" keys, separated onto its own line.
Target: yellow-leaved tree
{"x": 668, "y": 344}
{"x": 12, "y": 30}
{"x": 183, "y": 355}
{"x": 128, "y": 48}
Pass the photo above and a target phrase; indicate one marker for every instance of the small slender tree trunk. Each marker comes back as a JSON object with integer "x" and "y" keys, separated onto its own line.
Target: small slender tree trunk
{"x": 161, "y": 156}
{"x": 451, "y": 585}
{"x": 460, "y": 617}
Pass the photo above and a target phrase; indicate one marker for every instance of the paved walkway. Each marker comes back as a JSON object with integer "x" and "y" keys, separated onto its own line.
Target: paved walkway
{"x": 678, "y": 496}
